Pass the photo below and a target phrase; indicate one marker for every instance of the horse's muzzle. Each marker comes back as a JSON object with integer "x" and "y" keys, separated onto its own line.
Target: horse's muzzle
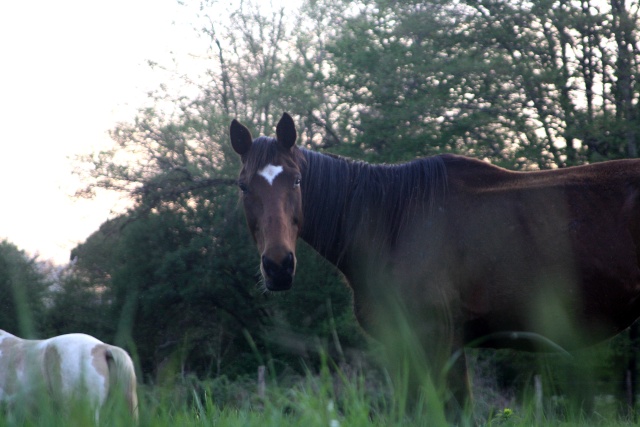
{"x": 279, "y": 276}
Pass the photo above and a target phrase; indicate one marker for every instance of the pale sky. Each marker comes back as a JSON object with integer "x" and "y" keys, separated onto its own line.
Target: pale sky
{"x": 69, "y": 71}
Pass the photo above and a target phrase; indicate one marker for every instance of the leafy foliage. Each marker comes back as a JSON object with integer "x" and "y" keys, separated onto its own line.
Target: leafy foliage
{"x": 23, "y": 291}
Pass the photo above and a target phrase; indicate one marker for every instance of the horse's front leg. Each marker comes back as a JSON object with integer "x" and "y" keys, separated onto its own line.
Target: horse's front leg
{"x": 429, "y": 369}
{"x": 459, "y": 399}
{"x": 443, "y": 347}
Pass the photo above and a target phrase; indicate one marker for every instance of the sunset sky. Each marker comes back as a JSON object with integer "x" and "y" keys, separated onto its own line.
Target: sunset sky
{"x": 71, "y": 69}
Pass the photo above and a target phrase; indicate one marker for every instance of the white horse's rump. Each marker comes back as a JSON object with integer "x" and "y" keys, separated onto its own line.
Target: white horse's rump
{"x": 73, "y": 366}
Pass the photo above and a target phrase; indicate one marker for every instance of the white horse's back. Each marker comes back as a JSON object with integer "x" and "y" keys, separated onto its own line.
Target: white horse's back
{"x": 66, "y": 368}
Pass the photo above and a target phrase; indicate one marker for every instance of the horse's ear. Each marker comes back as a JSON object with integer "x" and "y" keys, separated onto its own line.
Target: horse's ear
{"x": 286, "y": 132}
{"x": 241, "y": 139}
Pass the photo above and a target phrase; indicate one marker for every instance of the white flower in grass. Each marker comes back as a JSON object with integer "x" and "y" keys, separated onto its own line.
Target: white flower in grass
{"x": 330, "y": 406}
{"x": 331, "y": 409}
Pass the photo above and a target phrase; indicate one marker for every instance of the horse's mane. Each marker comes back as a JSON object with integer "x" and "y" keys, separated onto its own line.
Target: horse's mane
{"x": 350, "y": 197}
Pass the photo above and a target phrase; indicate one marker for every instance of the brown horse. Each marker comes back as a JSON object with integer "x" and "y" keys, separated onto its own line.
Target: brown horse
{"x": 464, "y": 252}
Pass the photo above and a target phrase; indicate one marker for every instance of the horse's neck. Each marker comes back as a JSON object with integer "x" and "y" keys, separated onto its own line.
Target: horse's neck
{"x": 334, "y": 208}
{"x": 355, "y": 212}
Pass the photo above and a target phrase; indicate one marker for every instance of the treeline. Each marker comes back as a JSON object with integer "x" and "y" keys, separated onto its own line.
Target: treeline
{"x": 525, "y": 85}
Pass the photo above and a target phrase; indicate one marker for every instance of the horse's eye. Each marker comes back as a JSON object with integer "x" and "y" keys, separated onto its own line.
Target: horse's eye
{"x": 243, "y": 187}
{"x": 297, "y": 181}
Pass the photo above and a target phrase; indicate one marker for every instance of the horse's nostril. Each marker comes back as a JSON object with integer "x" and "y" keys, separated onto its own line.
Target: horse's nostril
{"x": 271, "y": 268}
{"x": 288, "y": 262}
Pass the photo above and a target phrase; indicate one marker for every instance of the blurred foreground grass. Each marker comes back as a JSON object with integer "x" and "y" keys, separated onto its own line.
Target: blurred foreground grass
{"x": 323, "y": 399}
{"x": 338, "y": 401}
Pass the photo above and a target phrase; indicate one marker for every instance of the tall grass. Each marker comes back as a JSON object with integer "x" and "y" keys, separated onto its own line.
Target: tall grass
{"x": 330, "y": 397}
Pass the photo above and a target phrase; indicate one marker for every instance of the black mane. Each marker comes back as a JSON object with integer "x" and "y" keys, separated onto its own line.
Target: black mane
{"x": 343, "y": 197}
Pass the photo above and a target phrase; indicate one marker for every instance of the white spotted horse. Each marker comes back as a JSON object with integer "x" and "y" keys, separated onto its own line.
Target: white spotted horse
{"x": 468, "y": 253}
{"x": 65, "y": 369}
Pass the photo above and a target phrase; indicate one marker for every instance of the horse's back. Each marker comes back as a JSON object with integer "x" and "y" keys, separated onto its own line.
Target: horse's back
{"x": 65, "y": 369}
{"x": 102, "y": 370}
{"x": 61, "y": 366}
{"x": 77, "y": 364}
{"x": 526, "y": 245}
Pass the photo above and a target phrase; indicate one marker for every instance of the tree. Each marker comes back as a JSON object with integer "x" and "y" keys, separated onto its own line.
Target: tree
{"x": 530, "y": 84}
{"x": 23, "y": 291}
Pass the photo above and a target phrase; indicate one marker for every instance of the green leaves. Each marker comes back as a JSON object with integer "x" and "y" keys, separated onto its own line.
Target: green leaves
{"x": 23, "y": 290}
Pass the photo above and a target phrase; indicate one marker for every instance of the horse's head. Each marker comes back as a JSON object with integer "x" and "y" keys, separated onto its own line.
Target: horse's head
{"x": 270, "y": 184}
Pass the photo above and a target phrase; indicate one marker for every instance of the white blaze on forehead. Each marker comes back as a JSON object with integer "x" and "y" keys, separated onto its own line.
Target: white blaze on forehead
{"x": 270, "y": 172}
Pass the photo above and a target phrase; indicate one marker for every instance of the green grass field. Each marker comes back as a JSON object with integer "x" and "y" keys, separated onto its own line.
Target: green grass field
{"x": 321, "y": 399}
{"x": 335, "y": 395}
{"x": 325, "y": 400}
